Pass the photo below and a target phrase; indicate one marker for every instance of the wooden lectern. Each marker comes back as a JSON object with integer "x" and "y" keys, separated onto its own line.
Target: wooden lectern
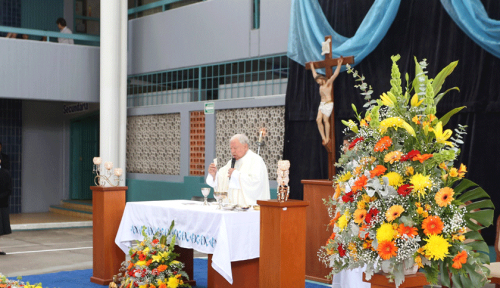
{"x": 317, "y": 223}
{"x": 282, "y": 243}
{"x": 411, "y": 281}
{"x": 108, "y": 204}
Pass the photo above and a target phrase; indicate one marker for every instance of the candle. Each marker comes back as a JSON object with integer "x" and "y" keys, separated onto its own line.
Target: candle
{"x": 108, "y": 165}
{"x": 118, "y": 172}
{"x": 260, "y": 136}
{"x": 97, "y": 160}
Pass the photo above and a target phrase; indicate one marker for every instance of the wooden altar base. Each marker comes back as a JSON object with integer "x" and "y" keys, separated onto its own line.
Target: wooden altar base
{"x": 411, "y": 281}
{"x": 245, "y": 274}
{"x": 186, "y": 257}
{"x": 316, "y": 227}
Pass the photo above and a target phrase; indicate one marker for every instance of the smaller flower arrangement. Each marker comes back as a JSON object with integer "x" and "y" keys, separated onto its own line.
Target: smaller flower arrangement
{"x": 6, "y": 283}
{"x": 152, "y": 264}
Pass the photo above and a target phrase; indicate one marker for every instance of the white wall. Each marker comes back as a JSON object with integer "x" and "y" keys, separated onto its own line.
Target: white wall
{"x": 206, "y": 32}
{"x": 38, "y": 70}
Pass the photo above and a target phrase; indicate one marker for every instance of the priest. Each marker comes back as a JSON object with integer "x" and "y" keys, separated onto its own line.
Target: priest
{"x": 245, "y": 177}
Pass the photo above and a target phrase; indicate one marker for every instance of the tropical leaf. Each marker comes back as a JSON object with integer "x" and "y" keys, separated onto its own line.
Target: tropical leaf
{"x": 463, "y": 185}
{"x": 486, "y": 203}
{"x": 448, "y": 115}
{"x": 444, "y": 274}
{"x": 484, "y": 217}
{"x": 440, "y": 95}
{"x": 479, "y": 246}
{"x": 439, "y": 80}
{"x": 456, "y": 280}
{"x": 473, "y": 235}
{"x": 476, "y": 278}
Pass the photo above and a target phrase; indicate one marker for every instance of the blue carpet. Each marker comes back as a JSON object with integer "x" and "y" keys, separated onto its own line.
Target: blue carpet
{"x": 81, "y": 278}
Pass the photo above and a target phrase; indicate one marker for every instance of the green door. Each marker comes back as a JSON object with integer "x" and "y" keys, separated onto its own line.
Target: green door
{"x": 84, "y": 146}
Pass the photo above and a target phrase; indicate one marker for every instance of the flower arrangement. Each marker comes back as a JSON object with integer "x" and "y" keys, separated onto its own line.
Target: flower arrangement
{"x": 6, "y": 283}
{"x": 152, "y": 264}
{"x": 399, "y": 201}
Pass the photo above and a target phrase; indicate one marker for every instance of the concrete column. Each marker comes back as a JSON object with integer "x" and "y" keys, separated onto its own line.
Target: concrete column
{"x": 123, "y": 89}
{"x": 111, "y": 82}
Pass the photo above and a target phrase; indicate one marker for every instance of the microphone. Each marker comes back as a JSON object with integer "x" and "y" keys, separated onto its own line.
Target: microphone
{"x": 232, "y": 164}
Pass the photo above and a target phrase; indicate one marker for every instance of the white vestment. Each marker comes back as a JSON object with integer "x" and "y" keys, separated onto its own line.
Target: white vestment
{"x": 249, "y": 181}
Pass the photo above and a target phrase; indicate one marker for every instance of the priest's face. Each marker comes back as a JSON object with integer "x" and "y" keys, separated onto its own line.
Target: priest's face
{"x": 238, "y": 150}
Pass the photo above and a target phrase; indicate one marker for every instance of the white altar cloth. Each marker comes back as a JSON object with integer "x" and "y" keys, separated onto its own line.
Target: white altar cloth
{"x": 228, "y": 235}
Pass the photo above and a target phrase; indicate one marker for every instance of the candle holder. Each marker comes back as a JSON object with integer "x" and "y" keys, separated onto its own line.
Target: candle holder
{"x": 260, "y": 142}
{"x": 283, "y": 179}
{"x": 101, "y": 180}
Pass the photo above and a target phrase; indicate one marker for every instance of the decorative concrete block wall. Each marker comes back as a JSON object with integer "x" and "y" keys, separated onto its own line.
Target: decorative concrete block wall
{"x": 153, "y": 144}
{"x": 197, "y": 144}
{"x": 249, "y": 121}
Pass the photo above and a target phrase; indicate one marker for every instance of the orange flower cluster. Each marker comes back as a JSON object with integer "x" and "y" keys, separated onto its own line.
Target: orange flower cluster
{"x": 377, "y": 171}
{"x": 460, "y": 259}
{"x": 407, "y": 230}
{"x": 387, "y": 249}
{"x": 432, "y": 225}
{"x": 360, "y": 183}
{"x": 383, "y": 144}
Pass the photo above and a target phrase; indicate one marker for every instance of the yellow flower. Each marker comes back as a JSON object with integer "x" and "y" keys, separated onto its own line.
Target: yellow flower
{"x": 441, "y": 136}
{"x": 418, "y": 260}
{"x": 146, "y": 250}
{"x": 359, "y": 216}
{"x": 342, "y": 222}
{"x": 420, "y": 183}
{"x": 460, "y": 238}
{"x": 366, "y": 198}
{"x": 420, "y": 210}
{"x": 416, "y": 119}
{"x": 395, "y": 122}
{"x": 425, "y": 214}
{"x": 141, "y": 263}
{"x": 415, "y": 102}
{"x": 453, "y": 172}
{"x": 409, "y": 171}
{"x": 395, "y": 180}
{"x": 394, "y": 212}
{"x": 444, "y": 196}
{"x": 361, "y": 204}
{"x": 160, "y": 256}
{"x": 386, "y": 100}
{"x": 461, "y": 171}
{"x": 393, "y": 156}
{"x": 363, "y": 122}
{"x": 385, "y": 232}
{"x": 352, "y": 126}
{"x": 418, "y": 204}
{"x": 345, "y": 177}
{"x": 173, "y": 282}
{"x": 443, "y": 166}
{"x": 436, "y": 247}
{"x": 143, "y": 286}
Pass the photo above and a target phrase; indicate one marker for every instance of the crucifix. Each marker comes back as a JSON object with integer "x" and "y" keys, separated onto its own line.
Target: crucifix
{"x": 328, "y": 63}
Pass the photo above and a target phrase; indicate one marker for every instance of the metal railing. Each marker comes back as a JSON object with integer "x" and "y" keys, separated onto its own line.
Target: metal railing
{"x": 254, "y": 77}
{"x": 49, "y": 34}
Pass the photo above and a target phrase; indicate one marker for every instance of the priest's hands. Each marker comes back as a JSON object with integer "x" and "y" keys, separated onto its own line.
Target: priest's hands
{"x": 229, "y": 172}
{"x": 212, "y": 170}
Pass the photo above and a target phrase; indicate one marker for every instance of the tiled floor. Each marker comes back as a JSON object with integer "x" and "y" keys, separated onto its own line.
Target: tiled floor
{"x": 47, "y": 220}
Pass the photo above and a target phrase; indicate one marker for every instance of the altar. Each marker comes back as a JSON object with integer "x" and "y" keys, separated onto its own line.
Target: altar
{"x": 229, "y": 236}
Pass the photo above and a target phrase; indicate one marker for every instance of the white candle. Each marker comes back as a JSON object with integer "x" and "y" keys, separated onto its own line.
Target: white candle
{"x": 260, "y": 136}
{"x": 118, "y": 172}
{"x": 97, "y": 160}
{"x": 108, "y": 165}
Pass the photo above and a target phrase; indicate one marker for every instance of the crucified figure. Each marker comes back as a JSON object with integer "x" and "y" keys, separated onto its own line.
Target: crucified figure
{"x": 326, "y": 104}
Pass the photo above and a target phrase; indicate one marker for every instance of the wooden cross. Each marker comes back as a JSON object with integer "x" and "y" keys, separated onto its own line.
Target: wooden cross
{"x": 328, "y": 63}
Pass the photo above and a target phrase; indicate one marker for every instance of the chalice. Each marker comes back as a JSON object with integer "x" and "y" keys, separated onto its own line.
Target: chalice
{"x": 205, "y": 192}
{"x": 219, "y": 196}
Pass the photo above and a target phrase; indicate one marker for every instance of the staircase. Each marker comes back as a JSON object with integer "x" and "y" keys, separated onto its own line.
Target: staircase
{"x": 75, "y": 208}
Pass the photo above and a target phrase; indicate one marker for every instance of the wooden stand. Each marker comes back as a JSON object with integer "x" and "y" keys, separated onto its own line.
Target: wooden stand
{"x": 282, "y": 243}
{"x": 411, "y": 281}
{"x": 317, "y": 227}
{"x": 186, "y": 257}
{"x": 108, "y": 204}
{"x": 245, "y": 274}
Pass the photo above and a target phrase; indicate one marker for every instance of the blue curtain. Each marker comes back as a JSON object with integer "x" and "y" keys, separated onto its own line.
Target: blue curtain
{"x": 309, "y": 26}
{"x": 472, "y": 18}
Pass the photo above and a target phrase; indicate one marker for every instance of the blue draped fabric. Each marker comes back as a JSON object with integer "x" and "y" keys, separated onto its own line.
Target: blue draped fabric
{"x": 472, "y": 18}
{"x": 309, "y": 26}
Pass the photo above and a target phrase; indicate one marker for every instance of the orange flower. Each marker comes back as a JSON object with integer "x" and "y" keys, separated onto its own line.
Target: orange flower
{"x": 337, "y": 216}
{"x": 152, "y": 286}
{"x": 393, "y": 156}
{"x": 162, "y": 268}
{"x": 367, "y": 245}
{"x": 162, "y": 285}
{"x": 362, "y": 229}
{"x": 422, "y": 158}
{"x": 461, "y": 171}
{"x": 149, "y": 262}
{"x": 459, "y": 259}
{"x": 383, "y": 144}
{"x": 444, "y": 196}
{"x": 453, "y": 172}
{"x": 337, "y": 192}
{"x": 432, "y": 225}
{"x": 377, "y": 171}
{"x": 332, "y": 237}
{"x": 407, "y": 230}
{"x": 387, "y": 249}
{"x": 359, "y": 216}
{"x": 443, "y": 166}
{"x": 130, "y": 265}
{"x": 394, "y": 212}
{"x": 360, "y": 183}
{"x": 418, "y": 260}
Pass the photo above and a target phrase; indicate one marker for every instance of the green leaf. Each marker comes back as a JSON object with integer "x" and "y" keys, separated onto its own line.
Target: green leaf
{"x": 439, "y": 80}
{"x": 448, "y": 115}
{"x": 486, "y": 203}
{"x": 465, "y": 280}
{"x": 475, "y": 277}
{"x": 478, "y": 246}
{"x": 471, "y": 225}
{"x": 445, "y": 276}
{"x": 485, "y": 258}
{"x": 440, "y": 95}
{"x": 456, "y": 280}
{"x": 474, "y": 194}
{"x": 473, "y": 235}
{"x": 484, "y": 217}
{"x": 464, "y": 184}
